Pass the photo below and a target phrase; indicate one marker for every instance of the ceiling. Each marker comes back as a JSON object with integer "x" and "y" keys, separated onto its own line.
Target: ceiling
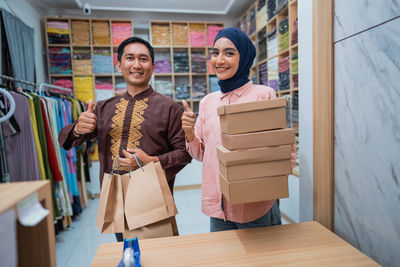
{"x": 210, "y": 7}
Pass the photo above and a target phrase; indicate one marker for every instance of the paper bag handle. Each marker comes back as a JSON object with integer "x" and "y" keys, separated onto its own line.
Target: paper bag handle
{"x": 137, "y": 161}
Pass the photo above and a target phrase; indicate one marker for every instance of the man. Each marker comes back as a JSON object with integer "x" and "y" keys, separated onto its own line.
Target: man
{"x": 141, "y": 121}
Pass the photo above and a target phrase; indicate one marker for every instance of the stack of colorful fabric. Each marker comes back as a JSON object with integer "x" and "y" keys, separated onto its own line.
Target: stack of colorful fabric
{"x": 181, "y": 61}
{"x": 182, "y": 87}
{"x": 295, "y": 110}
{"x": 115, "y": 62}
{"x": 82, "y": 61}
{"x": 295, "y": 70}
{"x": 294, "y": 32}
{"x": 120, "y": 85}
{"x": 160, "y": 34}
{"x": 244, "y": 24}
{"x": 60, "y": 60}
{"x": 281, "y": 4}
{"x": 62, "y": 82}
{"x": 213, "y": 82}
{"x": 273, "y": 76}
{"x": 252, "y": 20}
{"x": 262, "y": 45}
{"x": 162, "y": 59}
{"x": 284, "y": 73}
{"x": 80, "y": 32}
{"x": 102, "y": 61}
{"x": 84, "y": 88}
{"x": 58, "y": 32}
{"x": 197, "y": 34}
{"x": 263, "y": 71}
{"x": 284, "y": 34}
{"x": 101, "y": 33}
{"x": 272, "y": 43}
{"x": 261, "y": 14}
{"x": 163, "y": 85}
{"x": 199, "y": 87}
{"x": 103, "y": 88}
{"x": 271, "y": 9}
{"x": 120, "y": 31}
{"x": 199, "y": 62}
{"x": 212, "y": 31}
{"x": 180, "y": 34}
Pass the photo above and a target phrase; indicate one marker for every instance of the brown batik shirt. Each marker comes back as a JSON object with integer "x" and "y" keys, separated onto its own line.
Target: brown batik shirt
{"x": 149, "y": 121}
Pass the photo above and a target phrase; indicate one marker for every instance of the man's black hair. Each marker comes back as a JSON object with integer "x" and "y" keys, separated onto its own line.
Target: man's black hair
{"x": 135, "y": 39}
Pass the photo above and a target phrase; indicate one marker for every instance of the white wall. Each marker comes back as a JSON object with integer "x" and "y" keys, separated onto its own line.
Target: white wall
{"x": 33, "y": 18}
{"x": 305, "y": 110}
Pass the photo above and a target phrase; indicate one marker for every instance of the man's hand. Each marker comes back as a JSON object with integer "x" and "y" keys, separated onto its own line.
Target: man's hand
{"x": 188, "y": 121}
{"x": 87, "y": 121}
{"x": 129, "y": 160}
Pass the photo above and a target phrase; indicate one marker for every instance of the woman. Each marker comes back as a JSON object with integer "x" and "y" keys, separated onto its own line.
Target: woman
{"x": 232, "y": 57}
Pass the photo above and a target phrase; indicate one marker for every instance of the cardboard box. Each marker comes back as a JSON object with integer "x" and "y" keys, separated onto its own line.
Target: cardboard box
{"x": 253, "y": 116}
{"x": 254, "y": 155}
{"x": 254, "y": 190}
{"x": 258, "y": 139}
{"x": 256, "y": 170}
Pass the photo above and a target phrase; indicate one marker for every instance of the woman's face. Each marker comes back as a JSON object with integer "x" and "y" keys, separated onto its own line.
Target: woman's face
{"x": 225, "y": 58}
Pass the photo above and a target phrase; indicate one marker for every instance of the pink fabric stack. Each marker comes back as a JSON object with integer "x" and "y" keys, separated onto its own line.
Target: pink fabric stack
{"x": 197, "y": 35}
{"x": 120, "y": 32}
{"x": 212, "y": 31}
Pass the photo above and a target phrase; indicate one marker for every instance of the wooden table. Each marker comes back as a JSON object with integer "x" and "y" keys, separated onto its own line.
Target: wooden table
{"x": 36, "y": 245}
{"x": 301, "y": 244}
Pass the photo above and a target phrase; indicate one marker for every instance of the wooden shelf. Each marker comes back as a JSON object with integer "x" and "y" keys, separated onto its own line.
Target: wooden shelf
{"x": 268, "y": 59}
{"x": 89, "y": 22}
{"x": 103, "y": 75}
{"x": 284, "y": 91}
{"x": 295, "y": 89}
{"x": 60, "y": 75}
{"x": 284, "y": 52}
{"x": 59, "y": 45}
{"x": 262, "y": 61}
{"x": 162, "y": 74}
{"x": 271, "y": 20}
{"x": 295, "y": 46}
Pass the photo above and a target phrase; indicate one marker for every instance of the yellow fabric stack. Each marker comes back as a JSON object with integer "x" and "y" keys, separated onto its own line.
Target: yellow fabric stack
{"x": 80, "y": 32}
{"x": 179, "y": 34}
{"x": 101, "y": 33}
{"x": 84, "y": 88}
{"x": 160, "y": 34}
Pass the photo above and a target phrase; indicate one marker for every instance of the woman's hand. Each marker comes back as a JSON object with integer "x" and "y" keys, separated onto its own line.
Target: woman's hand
{"x": 188, "y": 122}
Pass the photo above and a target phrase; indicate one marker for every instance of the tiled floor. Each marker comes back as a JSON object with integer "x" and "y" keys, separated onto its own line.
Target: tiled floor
{"x": 77, "y": 245}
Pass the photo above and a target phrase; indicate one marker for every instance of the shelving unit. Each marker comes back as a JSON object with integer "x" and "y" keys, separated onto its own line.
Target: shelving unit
{"x": 78, "y": 51}
{"x": 266, "y": 65}
{"x": 182, "y": 57}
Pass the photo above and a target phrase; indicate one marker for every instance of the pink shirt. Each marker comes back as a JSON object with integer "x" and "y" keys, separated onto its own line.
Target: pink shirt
{"x": 204, "y": 148}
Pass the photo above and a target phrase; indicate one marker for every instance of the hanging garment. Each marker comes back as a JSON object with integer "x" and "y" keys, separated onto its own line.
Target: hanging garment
{"x": 20, "y": 146}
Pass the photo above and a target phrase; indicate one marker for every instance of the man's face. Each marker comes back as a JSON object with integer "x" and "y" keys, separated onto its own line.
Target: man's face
{"x": 136, "y": 65}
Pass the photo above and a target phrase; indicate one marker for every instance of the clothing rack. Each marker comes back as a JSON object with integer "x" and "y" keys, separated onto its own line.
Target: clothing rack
{"x": 39, "y": 87}
{"x": 19, "y": 81}
{"x": 50, "y": 86}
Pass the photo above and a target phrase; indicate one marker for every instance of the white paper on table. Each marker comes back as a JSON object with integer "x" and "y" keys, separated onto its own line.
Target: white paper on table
{"x": 30, "y": 211}
{"x": 8, "y": 239}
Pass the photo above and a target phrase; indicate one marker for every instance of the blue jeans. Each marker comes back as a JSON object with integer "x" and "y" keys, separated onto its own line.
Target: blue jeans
{"x": 272, "y": 217}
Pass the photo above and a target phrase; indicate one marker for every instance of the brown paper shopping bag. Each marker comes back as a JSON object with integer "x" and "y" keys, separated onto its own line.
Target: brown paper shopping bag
{"x": 163, "y": 228}
{"x": 148, "y": 199}
{"x": 110, "y": 213}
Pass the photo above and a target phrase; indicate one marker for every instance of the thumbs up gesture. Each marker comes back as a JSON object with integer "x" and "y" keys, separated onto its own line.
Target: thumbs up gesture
{"x": 188, "y": 121}
{"x": 87, "y": 121}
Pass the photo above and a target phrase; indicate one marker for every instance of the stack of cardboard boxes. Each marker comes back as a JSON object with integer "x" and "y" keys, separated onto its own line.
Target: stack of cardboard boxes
{"x": 255, "y": 159}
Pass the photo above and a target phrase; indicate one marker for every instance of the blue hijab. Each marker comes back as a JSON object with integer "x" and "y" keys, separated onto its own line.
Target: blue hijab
{"x": 247, "y": 53}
